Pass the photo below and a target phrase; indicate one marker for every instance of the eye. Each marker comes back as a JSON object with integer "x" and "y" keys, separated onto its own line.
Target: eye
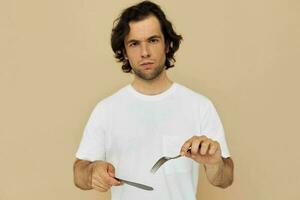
{"x": 153, "y": 40}
{"x": 133, "y": 44}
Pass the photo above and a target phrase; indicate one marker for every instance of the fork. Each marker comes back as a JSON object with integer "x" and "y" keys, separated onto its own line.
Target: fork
{"x": 164, "y": 159}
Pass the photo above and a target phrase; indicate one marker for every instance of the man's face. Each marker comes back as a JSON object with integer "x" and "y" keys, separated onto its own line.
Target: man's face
{"x": 145, "y": 48}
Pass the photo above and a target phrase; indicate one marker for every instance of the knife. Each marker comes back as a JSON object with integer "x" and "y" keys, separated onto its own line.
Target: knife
{"x": 138, "y": 185}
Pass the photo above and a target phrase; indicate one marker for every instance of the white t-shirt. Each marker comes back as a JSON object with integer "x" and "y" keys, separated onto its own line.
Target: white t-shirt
{"x": 132, "y": 131}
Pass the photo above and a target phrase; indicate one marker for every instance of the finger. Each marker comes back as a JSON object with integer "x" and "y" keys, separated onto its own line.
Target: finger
{"x": 114, "y": 181}
{"x": 109, "y": 180}
{"x": 195, "y": 147}
{"x": 109, "y": 185}
{"x": 204, "y": 147}
{"x": 213, "y": 148}
{"x": 111, "y": 170}
{"x": 98, "y": 176}
{"x": 100, "y": 181}
{"x": 109, "y": 176}
{"x": 120, "y": 182}
{"x": 102, "y": 187}
{"x": 185, "y": 147}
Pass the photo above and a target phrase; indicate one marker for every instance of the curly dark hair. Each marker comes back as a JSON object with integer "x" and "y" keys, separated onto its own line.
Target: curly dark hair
{"x": 139, "y": 12}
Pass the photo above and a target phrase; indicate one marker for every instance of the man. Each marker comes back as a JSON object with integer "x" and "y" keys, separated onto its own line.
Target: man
{"x": 149, "y": 118}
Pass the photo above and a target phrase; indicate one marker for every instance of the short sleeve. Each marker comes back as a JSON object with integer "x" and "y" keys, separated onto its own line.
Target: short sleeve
{"x": 92, "y": 145}
{"x": 211, "y": 126}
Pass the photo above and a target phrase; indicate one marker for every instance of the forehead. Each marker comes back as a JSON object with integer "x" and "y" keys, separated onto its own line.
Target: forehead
{"x": 143, "y": 29}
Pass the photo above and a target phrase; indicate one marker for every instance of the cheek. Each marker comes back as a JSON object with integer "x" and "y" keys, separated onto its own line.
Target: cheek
{"x": 162, "y": 55}
{"x": 131, "y": 62}
{"x": 161, "y": 52}
{"x": 132, "y": 56}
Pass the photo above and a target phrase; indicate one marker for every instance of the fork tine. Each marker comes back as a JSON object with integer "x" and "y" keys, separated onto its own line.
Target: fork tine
{"x": 154, "y": 169}
{"x": 161, "y": 161}
{"x": 157, "y": 165}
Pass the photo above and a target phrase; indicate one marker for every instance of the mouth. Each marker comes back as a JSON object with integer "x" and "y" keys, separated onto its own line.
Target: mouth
{"x": 147, "y": 65}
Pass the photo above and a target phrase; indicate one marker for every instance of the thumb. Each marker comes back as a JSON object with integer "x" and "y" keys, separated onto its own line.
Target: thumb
{"x": 111, "y": 170}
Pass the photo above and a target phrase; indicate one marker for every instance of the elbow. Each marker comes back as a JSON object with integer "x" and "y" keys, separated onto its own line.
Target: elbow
{"x": 224, "y": 184}
{"x": 227, "y": 177}
{"x": 227, "y": 184}
{"x": 230, "y": 174}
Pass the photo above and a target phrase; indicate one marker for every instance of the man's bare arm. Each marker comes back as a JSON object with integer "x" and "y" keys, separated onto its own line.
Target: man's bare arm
{"x": 206, "y": 151}
{"x": 220, "y": 175}
{"x": 82, "y": 171}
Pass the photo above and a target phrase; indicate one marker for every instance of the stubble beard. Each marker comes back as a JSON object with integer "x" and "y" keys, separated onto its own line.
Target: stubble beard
{"x": 149, "y": 76}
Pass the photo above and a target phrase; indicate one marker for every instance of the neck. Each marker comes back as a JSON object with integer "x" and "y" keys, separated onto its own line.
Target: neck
{"x": 152, "y": 87}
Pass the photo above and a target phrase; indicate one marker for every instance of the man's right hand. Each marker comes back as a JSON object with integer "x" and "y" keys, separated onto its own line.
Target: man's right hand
{"x": 103, "y": 176}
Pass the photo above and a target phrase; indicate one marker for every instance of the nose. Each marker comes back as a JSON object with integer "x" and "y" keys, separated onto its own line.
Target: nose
{"x": 145, "y": 51}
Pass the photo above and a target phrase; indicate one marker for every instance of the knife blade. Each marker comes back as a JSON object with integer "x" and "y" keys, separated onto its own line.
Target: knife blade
{"x": 138, "y": 185}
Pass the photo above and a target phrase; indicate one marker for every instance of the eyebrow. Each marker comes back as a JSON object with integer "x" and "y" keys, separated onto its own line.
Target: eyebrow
{"x": 151, "y": 37}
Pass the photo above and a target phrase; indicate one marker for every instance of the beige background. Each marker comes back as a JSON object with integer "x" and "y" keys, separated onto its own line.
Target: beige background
{"x": 56, "y": 64}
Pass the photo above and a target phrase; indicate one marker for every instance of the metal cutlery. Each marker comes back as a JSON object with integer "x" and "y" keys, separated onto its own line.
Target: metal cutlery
{"x": 134, "y": 184}
{"x": 162, "y": 160}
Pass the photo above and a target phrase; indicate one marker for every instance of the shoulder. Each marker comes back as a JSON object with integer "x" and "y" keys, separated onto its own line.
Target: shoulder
{"x": 112, "y": 100}
{"x": 193, "y": 96}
